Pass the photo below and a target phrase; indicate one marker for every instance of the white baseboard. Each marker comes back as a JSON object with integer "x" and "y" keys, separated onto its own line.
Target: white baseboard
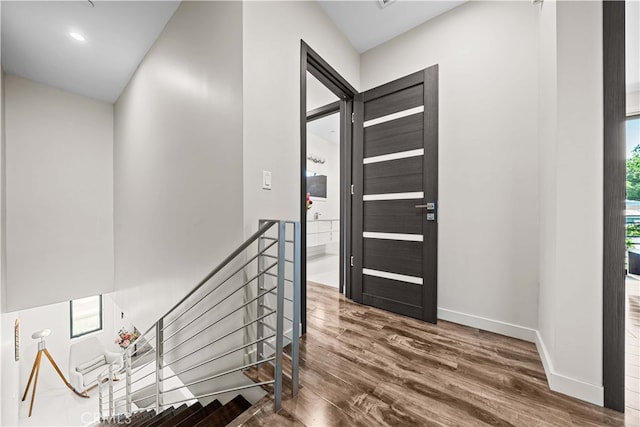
{"x": 562, "y": 384}
{"x": 496, "y": 326}
{"x": 570, "y": 386}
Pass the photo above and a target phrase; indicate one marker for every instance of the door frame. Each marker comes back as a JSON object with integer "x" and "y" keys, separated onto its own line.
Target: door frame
{"x": 614, "y": 186}
{"x": 319, "y": 68}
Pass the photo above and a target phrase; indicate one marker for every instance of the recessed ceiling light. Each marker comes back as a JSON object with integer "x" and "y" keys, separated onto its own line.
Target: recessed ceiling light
{"x": 77, "y": 36}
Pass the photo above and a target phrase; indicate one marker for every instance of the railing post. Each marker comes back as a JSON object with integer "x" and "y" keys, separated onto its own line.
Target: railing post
{"x": 159, "y": 364}
{"x": 111, "y": 402}
{"x": 127, "y": 368}
{"x": 282, "y": 234}
{"x": 100, "y": 403}
{"x": 260, "y": 301}
{"x": 295, "y": 327}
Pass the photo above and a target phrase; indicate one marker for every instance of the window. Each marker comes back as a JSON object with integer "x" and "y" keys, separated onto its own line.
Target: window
{"x": 86, "y": 315}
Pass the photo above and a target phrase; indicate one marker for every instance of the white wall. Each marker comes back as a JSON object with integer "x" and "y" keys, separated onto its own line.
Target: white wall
{"x": 271, "y": 80}
{"x": 9, "y": 372}
{"x": 179, "y": 180}
{"x": 548, "y": 112}
{"x": 178, "y": 160}
{"x": 570, "y": 339}
{"x": 488, "y": 157}
{"x": 318, "y": 95}
{"x": 59, "y": 195}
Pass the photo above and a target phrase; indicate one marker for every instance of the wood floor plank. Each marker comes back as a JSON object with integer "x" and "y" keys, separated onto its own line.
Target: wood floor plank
{"x": 360, "y": 366}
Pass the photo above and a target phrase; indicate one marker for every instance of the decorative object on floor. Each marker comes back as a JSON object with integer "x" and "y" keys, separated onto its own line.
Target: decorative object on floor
{"x": 309, "y": 201}
{"x": 87, "y": 359}
{"x": 126, "y": 338}
{"x": 42, "y": 348}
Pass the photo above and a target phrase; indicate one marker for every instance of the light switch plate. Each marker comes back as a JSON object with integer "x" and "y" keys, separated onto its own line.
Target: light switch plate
{"x": 266, "y": 180}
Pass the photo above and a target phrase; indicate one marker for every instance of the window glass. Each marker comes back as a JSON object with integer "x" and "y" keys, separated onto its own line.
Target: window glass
{"x": 86, "y": 315}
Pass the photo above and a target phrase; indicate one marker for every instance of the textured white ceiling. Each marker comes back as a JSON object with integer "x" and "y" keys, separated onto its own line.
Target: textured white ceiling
{"x": 367, "y": 25}
{"x": 36, "y": 43}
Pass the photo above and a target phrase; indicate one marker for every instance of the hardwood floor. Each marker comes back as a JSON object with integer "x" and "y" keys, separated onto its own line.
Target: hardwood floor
{"x": 361, "y": 366}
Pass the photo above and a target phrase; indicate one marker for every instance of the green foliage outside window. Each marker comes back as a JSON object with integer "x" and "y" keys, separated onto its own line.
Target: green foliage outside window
{"x": 633, "y": 175}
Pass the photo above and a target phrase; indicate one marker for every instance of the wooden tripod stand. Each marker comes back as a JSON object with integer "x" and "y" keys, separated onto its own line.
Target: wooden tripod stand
{"x": 42, "y": 348}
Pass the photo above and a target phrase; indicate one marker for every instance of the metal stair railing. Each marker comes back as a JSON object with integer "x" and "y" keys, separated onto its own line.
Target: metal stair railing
{"x": 238, "y": 312}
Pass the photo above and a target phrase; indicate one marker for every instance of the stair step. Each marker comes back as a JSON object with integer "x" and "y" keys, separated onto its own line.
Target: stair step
{"x": 226, "y": 414}
{"x": 176, "y": 412}
{"x": 199, "y": 414}
{"x": 177, "y": 418}
{"x": 160, "y": 417}
{"x": 141, "y": 417}
{"x": 135, "y": 420}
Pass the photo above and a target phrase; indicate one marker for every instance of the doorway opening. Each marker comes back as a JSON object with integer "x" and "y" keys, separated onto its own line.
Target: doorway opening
{"x": 323, "y": 185}
{"x": 324, "y": 93}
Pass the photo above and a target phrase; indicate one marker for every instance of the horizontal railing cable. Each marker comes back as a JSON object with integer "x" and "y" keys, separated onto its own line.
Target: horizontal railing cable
{"x": 275, "y": 238}
{"x": 219, "y": 338}
{"x": 220, "y": 356}
{"x": 275, "y": 257}
{"x": 273, "y": 347}
{"x": 223, "y": 264}
{"x": 285, "y": 298}
{"x": 216, "y": 393}
{"x": 219, "y": 302}
{"x": 216, "y": 287}
{"x": 202, "y": 330}
{"x": 142, "y": 377}
{"x": 276, "y": 276}
{"x": 222, "y": 318}
{"x": 221, "y": 374}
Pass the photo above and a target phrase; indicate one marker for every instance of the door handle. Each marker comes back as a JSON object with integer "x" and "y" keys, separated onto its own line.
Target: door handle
{"x": 427, "y": 206}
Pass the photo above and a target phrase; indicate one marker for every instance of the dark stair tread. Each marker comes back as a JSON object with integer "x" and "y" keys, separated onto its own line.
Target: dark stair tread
{"x": 177, "y": 418}
{"x": 200, "y": 414}
{"x": 172, "y": 412}
{"x": 223, "y": 416}
{"x": 141, "y": 420}
{"x": 140, "y": 417}
{"x": 159, "y": 417}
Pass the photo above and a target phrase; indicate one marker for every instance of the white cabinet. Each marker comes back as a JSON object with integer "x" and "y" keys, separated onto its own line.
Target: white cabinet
{"x": 322, "y": 231}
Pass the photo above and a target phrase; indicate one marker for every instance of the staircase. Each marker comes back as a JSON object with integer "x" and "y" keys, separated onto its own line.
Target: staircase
{"x": 221, "y": 347}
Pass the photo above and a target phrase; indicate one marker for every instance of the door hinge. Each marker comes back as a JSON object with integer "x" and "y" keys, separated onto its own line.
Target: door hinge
{"x": 351, "y": 260}
{"x": 353, "y": 117}
{"x": 353, "y": 189}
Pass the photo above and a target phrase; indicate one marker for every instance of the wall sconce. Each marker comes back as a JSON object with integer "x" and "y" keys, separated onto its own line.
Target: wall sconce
{"x": 316, "y": 159}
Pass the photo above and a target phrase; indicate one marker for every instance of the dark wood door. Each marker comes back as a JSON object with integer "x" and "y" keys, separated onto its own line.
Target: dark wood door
{"x": 395, "y": 196}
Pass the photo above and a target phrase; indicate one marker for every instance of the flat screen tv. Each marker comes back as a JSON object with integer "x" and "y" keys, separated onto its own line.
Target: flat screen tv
{"x": 317, "y": 186}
